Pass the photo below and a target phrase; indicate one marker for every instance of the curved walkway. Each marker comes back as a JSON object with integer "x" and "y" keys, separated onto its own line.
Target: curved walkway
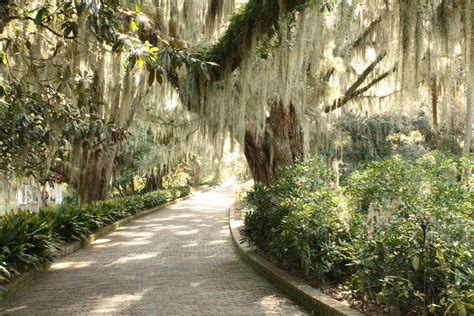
{"x": 178, "y": 261}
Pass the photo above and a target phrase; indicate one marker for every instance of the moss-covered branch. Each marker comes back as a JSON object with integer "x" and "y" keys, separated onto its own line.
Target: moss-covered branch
{"x": 256, "y": 19}
{"x": 354, "y": 90}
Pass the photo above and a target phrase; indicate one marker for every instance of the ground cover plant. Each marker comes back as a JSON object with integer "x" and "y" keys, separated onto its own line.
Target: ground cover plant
{"x": 29, "y": 239}
{"x": 398, "y": 234}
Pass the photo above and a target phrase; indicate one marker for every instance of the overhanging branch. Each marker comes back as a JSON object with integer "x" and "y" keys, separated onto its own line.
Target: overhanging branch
{"x": 354, "y": 89}
{"x": 355, "y": 44}
{"x": 16, "y": 17}
{"x": 379, "y": 96}
{"x": 255, "y": 20}
{"x": 366, "y": 32}
{"x": 373, "y": 82}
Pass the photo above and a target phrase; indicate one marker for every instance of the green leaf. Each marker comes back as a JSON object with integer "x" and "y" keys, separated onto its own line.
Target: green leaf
{"x": 151, "y": 77}
{"x": 67, "y": 30}
{"x": 133, "y": 26}
{"x": 4, "y": 59}
{"x": 39, "y": 16}
{"x": 118, "y": 45}
{"x": 131, "y": 62}
{"x": 439, "y": 255}
{"x": 166, "y": 58}
{"x": 138, "y": 8}
{"x": 81, "y": 7}
{"x": 159, "y": 77}
{"x": 75, "y": 29}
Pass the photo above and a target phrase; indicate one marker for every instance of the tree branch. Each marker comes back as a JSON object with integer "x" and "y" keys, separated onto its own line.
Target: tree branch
{"x": 354, "y": 90}
{"x": 355, "y": 44}
{"x": 380, "y": 96}
{"x": 256, "y": 19}
{"x": 373, "y": 82}
{"x": 17, "y": 17}
{"x": 61, "y": 171}
{"x": 366, "y": 32}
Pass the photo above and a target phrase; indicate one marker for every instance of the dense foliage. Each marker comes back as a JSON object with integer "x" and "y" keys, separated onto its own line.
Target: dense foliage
{"x": 398, "y": 234}
{"x": 255, "y": 18}
{"x": 60, "y": 116}
{"x": 29, "y": 239}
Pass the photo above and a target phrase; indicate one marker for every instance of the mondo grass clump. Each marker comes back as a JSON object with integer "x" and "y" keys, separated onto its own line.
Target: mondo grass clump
{"x": 29, "y": 239}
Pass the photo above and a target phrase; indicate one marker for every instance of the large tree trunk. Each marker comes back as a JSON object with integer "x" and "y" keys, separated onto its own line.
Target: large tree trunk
{"x": 196, "y": 178}
{"x": 434, "y": 102}
{"x": 281, "y": 144}
{"x": 89, "y": 174}
{"x": 94, "y": 174}
{"x": 470, "y": 73}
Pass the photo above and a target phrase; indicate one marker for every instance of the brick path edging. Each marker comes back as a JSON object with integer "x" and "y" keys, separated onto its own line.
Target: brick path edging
{"x": 68, "y": 248}
{"x": 311, "y": 298}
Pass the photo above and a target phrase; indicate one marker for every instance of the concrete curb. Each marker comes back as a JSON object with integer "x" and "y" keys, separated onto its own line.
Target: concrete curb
{"x": 67, "y": 249}
{"x": 311, "y": 298}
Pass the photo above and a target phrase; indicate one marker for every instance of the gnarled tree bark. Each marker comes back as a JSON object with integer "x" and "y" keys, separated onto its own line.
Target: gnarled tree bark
{"x": 95, "y": 173}
{"x": 281, "y": 144}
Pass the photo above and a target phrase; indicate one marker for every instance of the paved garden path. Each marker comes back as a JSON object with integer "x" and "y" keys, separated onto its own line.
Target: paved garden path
{"x": 178, "y": 261}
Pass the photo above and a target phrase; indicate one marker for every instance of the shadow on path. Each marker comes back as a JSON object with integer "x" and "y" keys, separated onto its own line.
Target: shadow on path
{"x": 179, "y": 260}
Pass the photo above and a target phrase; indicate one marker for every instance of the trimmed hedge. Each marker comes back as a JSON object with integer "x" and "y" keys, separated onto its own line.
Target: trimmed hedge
{"x": 28, "y": 239}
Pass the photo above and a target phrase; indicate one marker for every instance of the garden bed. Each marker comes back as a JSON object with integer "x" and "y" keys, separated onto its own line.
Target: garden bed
{"x": 396, "y": 236}
{"x": 30, "y": 241}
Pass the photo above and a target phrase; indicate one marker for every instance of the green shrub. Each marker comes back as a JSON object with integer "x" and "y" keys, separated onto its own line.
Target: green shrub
{"x": 302, "y": 220}
{"x": 261, "y": 225}
{"x": 133, "y": 204}
{"x": 398, "y": 234}
{"x": 28, "y": 239}
{"x": 394, "y": 259}
{"x": 315, "y": 234}
{"x": 384, "y": 182}
{"x": 68, "y": 222}
{"x": 156, "y": 198}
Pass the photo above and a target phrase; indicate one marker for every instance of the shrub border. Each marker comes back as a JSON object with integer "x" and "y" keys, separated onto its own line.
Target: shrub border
{"x": 311, "y": 298}
{"x": 68, "y": 248}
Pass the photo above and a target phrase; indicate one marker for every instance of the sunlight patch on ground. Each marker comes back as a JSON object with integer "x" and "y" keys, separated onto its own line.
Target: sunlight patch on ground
{"x": 101, "y": 241}
{"x": 122, "y": 244}
{"x": 190, "y": 245}
{"x": 118, "y": 302}
{"x": 271, "y": 301}
{"x": 204, "y": 225}
{"x": 217, "y": 242}
{"x": 182, "y": 216}
{"x": 16, "y": 309}
{"x": 187, "y": 232}
{"x": 70, "y": 265}
{"x": 142, "y": 256}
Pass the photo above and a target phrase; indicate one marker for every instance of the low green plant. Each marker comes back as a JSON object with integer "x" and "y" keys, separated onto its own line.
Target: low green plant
{"x": 28, "y": 239}
{"x": 68, "y": 222}
{"x": 302, "y": 220}
{"x": 399, "y": 233}
{"x": 416, "y": 250}
{"x": 384, "y": 182}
